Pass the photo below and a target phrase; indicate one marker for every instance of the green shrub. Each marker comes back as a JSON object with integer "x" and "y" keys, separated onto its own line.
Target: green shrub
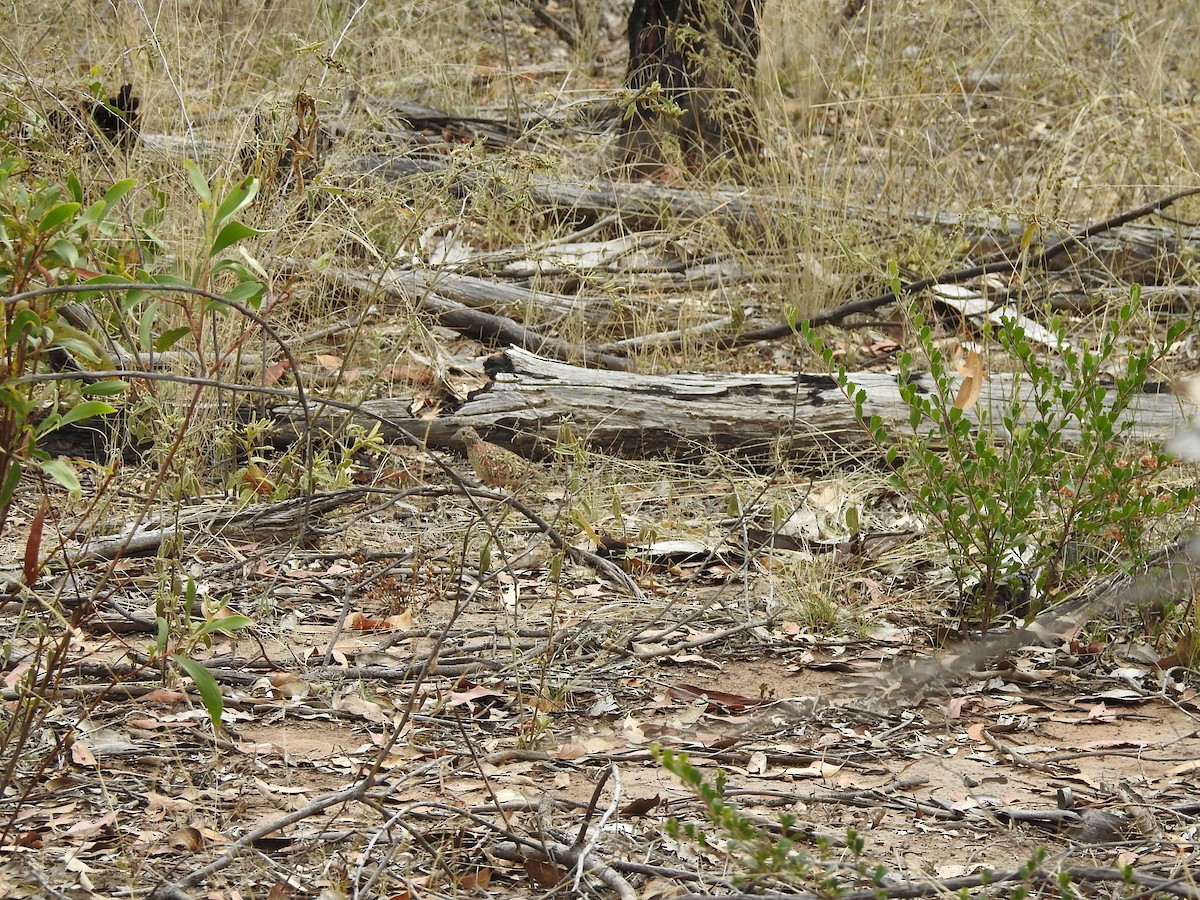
{"x": 45, "y": 241}
{"x": 1038, "y": 489}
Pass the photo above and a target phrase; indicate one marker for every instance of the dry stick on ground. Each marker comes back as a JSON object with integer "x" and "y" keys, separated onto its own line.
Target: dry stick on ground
{"x": 673, "y": 339}
{"x": 476, "y": 323}
{"x": 647, "y": 653}
{"x": 475, "y": 293}
{"x": 282, "y": 516}
{"x": 1016, "y": 756}
{"x": 176, "y": 891}
{"x": 992, "y": 267}
{"x": 538, "y": 9}
{"x": 570, "y": 856}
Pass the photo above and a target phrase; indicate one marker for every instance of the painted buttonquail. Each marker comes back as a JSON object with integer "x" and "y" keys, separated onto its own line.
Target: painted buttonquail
{"x": 493, "y": 465}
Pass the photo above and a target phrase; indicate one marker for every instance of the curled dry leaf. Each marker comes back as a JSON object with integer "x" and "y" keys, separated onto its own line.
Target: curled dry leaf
{"x": 972, "y": 383}
{"x": 289, "y": 685}
{"x": 641, "y": 806}
{"x": 400, "y": 622}
{"x": 186, "y": 838}
{"x": 476, "y": 880}
{"x": 545, "y": 874}
{"x": 256, "y": 480}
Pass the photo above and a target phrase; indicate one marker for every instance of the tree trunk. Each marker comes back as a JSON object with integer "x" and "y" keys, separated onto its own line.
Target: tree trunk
{"x": 700, "y": 56}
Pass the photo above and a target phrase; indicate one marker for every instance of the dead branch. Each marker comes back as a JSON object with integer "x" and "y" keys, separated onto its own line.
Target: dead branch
{"x": 473, "y": 322}
{"x": 1006, "y": 266}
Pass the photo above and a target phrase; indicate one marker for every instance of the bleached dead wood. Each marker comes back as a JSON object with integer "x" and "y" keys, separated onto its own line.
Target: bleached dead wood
{"x": 802, "y": 416}
{"x": 286, "y": 516}
{"x": 410, "y": 286}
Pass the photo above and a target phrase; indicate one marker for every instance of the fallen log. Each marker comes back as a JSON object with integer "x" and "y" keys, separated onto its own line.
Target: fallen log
{"x": 801, "y": 417}
{"x": 1128, "y": 251}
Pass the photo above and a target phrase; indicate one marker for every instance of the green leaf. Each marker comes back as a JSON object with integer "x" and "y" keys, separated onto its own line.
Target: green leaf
{"x": 254, "y": 266}
{"x": 114, "y": 194}
{"x": 234, "y": 267}
{"x": 67, "y": 251}
{"x": 232, "y": 233}
{"x": 75, "y": 188}
{"x": 226, "y": 625}
{"x": 90, "y": 216}
{"x": 169, "y": 339}
{"x": 62, "y": 472}
{"x": 1176, "y": 329}
{"x": 109, "y": 387}
{"x": 893, "y": 270}
{"x": 210, "y": 691}
{"x": 146, "y": 322}
{"x": 21, "y": 406}
{"x": 238, "y": 198}
{"x": 54, "y": 219}
{"x": 86, "y": 410}
{"x": 25, "y": 320}
{"x": 247, "y": 292}
{"x": 102, "y": 280}
{"x": 82, "y": 347}
{"x": 163, "y": 635}
{"x": 10, "y": 482}
{"x": 198, "y": 181}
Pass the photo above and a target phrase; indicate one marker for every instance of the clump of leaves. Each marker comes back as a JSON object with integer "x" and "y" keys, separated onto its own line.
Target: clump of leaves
{"x": 46, "y": 247}
{"x": 1021, "y": 489}
{"x": 186, "y": 622}
{"x": 183, "y": 309}
{"x": 44, "y": 243}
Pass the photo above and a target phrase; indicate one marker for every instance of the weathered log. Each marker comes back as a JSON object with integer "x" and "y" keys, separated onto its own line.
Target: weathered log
{"x": 1131, "y": 252}
{"x": 804, "y": 416}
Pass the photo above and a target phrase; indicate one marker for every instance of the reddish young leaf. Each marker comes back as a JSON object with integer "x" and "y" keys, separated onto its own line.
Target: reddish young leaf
{"x": 640, "y": 807}
{"x": 33, "y": 545}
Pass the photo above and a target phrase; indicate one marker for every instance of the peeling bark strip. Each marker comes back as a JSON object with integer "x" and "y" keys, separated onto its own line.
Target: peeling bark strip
{"x": 701, "y": 56}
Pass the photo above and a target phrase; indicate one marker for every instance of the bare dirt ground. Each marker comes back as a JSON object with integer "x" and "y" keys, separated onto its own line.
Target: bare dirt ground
{"x": 1073, "y": 755}
{"x": 431, "y": 700}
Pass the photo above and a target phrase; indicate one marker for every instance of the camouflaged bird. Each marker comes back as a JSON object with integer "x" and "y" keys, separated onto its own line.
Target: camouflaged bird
{"x": 493, "y": 465}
